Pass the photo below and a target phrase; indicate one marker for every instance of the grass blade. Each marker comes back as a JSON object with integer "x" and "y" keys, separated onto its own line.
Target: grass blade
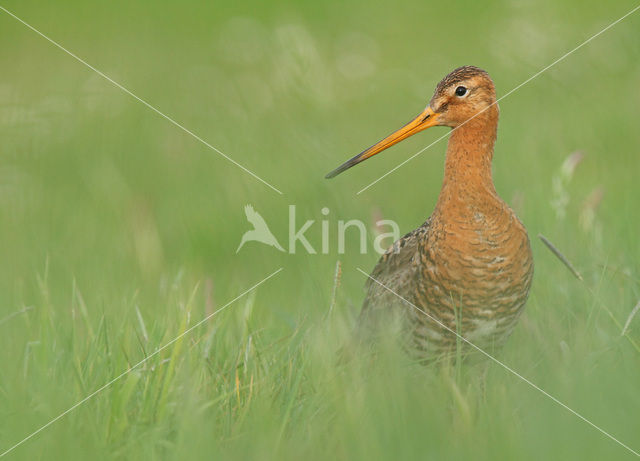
{"x": 561, "y": 257}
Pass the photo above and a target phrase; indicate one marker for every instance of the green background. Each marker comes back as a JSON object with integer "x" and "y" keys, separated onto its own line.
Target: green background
{"x": 118, "y": 230}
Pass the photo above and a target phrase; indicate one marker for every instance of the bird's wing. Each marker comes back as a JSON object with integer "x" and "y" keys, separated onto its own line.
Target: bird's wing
{"x": 254, "y": 217}
{"x": 397, "y": 270}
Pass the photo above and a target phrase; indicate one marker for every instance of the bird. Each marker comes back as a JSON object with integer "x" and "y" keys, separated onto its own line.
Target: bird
{"x": 467, "y": 271}
{"x": 260, "y": 231}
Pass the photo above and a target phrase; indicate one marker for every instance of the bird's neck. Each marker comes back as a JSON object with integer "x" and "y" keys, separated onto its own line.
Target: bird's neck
{"x": 467, "y": 172}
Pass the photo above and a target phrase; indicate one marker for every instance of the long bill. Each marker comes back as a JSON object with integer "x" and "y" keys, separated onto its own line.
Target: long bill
{"x": 426, "y": 119}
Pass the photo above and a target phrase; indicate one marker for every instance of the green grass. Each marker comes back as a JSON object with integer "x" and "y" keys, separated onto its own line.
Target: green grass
{"x": 119, "y": 230}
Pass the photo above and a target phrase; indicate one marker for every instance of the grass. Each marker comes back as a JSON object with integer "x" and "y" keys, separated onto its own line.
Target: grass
{"x": 119, "y": 231}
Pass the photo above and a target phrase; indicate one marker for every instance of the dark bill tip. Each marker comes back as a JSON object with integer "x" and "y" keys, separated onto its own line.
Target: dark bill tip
{"x": 345, "y": 166}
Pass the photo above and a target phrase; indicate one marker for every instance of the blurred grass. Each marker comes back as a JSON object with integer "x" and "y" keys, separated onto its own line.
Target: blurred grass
{"x": 119, "y": 230}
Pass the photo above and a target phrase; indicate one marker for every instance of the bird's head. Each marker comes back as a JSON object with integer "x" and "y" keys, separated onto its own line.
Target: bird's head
{"x": 464, "y": 94}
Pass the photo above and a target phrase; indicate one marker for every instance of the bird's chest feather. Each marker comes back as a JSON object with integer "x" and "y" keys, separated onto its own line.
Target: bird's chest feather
{"x": 477, "y": 259}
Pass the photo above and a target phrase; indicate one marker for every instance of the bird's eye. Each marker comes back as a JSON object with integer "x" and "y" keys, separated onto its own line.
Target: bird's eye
{"x": 461, "y": 91}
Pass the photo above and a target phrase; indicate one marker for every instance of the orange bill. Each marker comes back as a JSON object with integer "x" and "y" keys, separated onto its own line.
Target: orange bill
{"x": 426, "y": 119}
